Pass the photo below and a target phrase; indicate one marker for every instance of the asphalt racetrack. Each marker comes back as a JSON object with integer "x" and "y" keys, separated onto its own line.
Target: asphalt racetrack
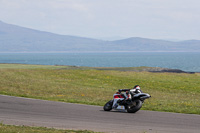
{"x": 31, "y": 112}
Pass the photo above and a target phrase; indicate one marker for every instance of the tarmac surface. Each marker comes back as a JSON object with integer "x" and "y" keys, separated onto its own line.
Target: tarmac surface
{"x": 32, "y": 112}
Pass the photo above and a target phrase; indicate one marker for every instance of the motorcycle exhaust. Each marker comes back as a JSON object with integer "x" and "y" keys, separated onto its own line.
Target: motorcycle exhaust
{"x": 145, "y": 97}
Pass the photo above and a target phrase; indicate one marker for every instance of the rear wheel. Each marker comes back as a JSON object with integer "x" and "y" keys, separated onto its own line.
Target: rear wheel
{"x": 108, "y": 106}
{"x": 134, "y": 107}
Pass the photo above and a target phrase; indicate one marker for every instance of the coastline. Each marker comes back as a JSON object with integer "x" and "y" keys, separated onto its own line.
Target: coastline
{"x": 135, "y": 69}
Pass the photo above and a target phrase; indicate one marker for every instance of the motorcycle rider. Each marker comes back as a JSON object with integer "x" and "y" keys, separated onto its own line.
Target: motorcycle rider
{"x": 128, "y": 95}
{"x": 131, "y": 92}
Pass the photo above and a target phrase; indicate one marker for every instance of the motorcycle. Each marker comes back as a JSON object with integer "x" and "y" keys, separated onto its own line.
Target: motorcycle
{"x": 131, "y": 106}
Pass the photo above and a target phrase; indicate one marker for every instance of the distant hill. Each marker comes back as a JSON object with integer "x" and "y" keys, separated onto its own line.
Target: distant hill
{"x": 19, "y": 39}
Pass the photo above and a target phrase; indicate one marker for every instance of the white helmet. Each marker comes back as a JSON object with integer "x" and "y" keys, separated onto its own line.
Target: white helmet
{"x": 137, "y": 87}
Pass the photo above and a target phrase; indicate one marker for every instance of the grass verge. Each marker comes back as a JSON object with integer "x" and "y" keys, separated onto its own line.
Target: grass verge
{"x": 26, "y": 129}
{"x": 171, "y": 92}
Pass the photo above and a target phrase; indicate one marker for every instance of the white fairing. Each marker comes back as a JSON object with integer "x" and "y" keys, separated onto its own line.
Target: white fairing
{"x": 115, "y": 100}
{"x": 120, "y": 108}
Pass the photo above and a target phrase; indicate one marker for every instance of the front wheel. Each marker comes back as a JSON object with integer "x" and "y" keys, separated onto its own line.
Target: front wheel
{"x": 134, "y": 106}
{"x": 108, "y": 106}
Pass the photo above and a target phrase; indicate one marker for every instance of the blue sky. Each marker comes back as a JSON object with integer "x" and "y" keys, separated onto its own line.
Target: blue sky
{"x": 116, "y": 19}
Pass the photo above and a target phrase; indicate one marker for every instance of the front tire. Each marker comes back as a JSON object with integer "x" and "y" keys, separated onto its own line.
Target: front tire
{"x": 134, "y": 107}
{"x": 108, "y": 106}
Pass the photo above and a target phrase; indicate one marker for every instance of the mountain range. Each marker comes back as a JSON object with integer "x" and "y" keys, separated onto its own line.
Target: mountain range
{"x": 15, "y": 38}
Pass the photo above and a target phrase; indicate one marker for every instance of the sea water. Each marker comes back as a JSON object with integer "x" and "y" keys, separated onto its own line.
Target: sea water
{"x": 186, "y": 61}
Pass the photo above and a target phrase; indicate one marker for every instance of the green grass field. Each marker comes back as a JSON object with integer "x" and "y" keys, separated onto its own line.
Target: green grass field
{"x": 26, "y": 129}
{"x": 171, "y": 92}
